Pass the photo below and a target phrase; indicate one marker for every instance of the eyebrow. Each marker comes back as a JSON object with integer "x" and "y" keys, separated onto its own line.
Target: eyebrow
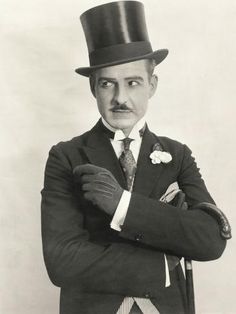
{"x": 137, "y": 78}
{"x": 102, "y": 78}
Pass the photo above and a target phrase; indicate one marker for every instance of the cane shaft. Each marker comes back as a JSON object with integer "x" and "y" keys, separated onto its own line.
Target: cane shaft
{"x": 189, "y": 286}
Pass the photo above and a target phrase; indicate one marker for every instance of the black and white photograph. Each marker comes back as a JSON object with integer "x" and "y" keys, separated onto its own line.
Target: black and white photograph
{"x": 117, "y": 157}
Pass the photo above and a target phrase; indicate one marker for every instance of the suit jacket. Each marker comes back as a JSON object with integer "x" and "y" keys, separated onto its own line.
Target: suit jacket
{"x": 96, "y": 266}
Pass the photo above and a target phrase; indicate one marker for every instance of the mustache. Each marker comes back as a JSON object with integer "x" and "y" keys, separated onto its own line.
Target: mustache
{"x": 119, "y": 106}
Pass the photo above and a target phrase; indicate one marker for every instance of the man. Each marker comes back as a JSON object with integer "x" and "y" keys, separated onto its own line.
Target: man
{"x": 111, "y": 241}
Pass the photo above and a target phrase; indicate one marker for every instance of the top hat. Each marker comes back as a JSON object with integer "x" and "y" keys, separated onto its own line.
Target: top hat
{"x": 116, "y": 33}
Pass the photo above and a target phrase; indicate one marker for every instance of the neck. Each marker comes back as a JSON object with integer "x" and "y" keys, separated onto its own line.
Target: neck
{"x": 127, "y": 131}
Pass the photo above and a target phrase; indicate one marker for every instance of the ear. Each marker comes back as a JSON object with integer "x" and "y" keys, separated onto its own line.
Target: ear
{"x": 153, "y": 85}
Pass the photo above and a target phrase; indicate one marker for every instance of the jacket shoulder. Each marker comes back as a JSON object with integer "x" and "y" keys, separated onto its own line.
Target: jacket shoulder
{"x": 73, "y": 143}
{"x": 69, "y": 153}
{"x": 170, "y": 144}
{"x": 169, "y": 141}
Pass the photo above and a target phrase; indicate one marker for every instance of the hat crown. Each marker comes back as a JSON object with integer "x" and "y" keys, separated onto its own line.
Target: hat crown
{"x": 116, "y": 33}
{"x": 114, "y": 23}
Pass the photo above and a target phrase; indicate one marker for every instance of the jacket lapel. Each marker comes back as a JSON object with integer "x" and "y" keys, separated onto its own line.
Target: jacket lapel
{"x": 147, "y": 174}
{"x": 100, "y": 152}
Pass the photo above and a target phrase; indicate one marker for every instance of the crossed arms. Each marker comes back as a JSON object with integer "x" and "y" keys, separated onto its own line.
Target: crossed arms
{"x": 124, "y": 264}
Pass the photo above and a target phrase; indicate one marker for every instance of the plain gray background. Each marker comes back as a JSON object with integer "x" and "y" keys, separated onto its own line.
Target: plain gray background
{"x": 43, "y": 102}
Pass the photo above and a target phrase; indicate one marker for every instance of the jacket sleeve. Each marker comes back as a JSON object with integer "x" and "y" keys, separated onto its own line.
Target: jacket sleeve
{"x": 192, "y": 234}
{"x": 73, "y": 260}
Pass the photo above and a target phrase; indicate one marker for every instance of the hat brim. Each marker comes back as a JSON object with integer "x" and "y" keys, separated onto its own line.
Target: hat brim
{"x": 158, "y": 56}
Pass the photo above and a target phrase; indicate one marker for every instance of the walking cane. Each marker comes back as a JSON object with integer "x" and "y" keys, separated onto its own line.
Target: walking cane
{"x": 189, "y": 286}
{"x": 225, "y": 231}
{"x": 167, "y": 198}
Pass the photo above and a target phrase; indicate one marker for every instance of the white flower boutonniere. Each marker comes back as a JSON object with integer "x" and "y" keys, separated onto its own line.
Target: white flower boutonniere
{"x": 158, "y": 155}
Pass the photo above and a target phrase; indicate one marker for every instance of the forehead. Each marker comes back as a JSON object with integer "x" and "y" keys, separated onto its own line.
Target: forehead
{"x": 136, "y": 68}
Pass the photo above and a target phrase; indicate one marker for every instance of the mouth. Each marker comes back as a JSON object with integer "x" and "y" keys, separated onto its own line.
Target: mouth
{"x": 121, "y": 110}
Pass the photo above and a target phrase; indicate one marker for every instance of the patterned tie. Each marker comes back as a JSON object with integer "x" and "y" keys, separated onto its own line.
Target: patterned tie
{"x": 132, "y": 305}
{"x": 128, "y": 162}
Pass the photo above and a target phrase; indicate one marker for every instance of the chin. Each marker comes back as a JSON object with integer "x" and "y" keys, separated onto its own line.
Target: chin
{"x": 122, "y": 124}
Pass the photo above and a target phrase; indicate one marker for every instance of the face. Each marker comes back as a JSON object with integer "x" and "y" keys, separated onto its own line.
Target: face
{"x": 122, "y": 93}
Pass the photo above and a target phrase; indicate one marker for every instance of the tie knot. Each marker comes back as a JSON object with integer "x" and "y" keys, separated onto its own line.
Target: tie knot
{"x": 127, "y": 142}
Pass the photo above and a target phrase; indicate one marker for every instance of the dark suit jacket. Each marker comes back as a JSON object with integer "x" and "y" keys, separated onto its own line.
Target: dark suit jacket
{"x": 96, "y": 266}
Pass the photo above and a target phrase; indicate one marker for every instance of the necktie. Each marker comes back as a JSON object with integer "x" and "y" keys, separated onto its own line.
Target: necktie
{"x": 128, "y": 163}
{"x": 132, "y": 305}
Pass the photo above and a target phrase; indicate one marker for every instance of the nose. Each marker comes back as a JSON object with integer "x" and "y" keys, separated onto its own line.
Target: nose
{"x": 120, "y": 95}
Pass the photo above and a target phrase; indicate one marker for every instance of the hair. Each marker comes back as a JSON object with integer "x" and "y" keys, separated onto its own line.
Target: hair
{"x": 150, "y": 66}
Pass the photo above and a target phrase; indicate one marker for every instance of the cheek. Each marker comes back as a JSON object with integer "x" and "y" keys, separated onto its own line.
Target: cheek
{"x": 140, "y": 101}
{"x": 142, "y": 109}
{"x": 103, "y": 103}
{"x": 101, "y": 107}
{"x": 104, "y": 96}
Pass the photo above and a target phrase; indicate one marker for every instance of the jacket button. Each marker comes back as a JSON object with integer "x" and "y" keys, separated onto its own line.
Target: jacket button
{"x": 138, "y": 237}
{"x": 147, "y": 295}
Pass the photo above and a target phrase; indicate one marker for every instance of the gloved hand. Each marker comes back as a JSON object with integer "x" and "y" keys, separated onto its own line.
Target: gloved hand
{"x": 99, "y": 186}
{"x": 219, "y": 216}
{"x": 179, "y": 201}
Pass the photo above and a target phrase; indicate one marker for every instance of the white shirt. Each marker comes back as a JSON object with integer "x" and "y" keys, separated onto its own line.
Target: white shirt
{"x": 117, "y": 144}
{"x": 121, "y": 211}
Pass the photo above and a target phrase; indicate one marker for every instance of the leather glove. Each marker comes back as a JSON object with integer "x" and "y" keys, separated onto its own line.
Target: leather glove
{"x": 179, "y": 201}
{"x": 99, "y": 186}
{"x": 219, "y": 216}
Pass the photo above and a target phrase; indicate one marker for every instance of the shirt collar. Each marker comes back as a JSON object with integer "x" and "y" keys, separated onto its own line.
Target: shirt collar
{"x": 119, "y": 135}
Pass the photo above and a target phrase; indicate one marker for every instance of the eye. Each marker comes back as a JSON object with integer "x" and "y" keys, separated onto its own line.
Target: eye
{"x": 106, "y": 84}
{"x": 133, "y": 83}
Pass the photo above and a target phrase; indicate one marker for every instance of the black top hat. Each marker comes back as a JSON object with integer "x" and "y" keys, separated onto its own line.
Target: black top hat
{"x": 116, "y": 33}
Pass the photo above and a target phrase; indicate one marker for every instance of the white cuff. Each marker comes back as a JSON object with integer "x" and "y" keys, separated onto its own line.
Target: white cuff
{"x": 167, "y": 284}
{"x": 121, "y": 211}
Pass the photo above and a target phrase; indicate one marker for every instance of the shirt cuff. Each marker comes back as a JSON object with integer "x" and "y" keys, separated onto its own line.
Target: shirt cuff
{"x": 167, "y": 284}
{"x": 121, "y": 211}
